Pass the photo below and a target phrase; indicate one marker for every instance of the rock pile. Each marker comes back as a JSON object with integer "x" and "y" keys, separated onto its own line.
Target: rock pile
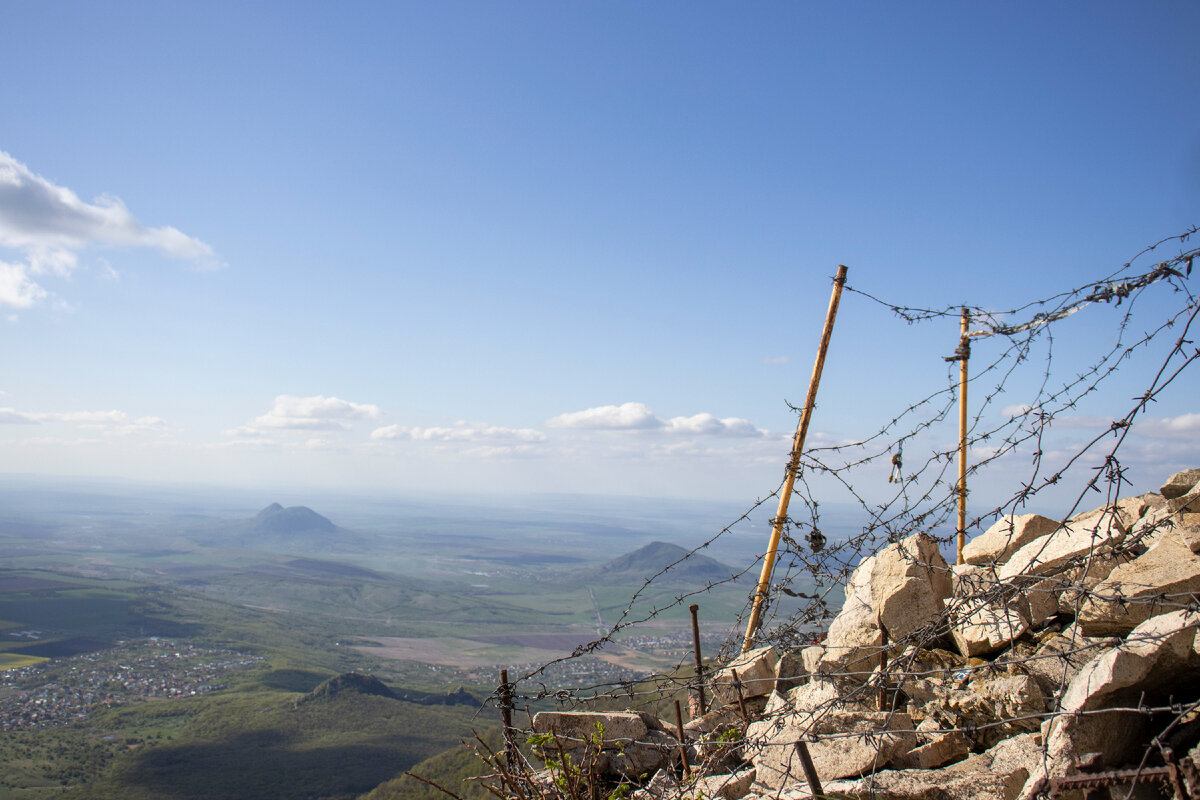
{"x": 1057, "y": 650}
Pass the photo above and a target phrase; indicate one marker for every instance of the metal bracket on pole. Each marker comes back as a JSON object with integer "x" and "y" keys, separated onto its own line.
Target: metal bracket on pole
{"x": 793, "y": 467}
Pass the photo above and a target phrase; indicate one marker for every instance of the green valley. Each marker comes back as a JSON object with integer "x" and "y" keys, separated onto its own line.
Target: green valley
{"x": 158, "y": 654}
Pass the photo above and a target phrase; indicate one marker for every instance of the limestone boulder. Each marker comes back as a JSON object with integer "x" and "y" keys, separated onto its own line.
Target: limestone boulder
{"x": 810, "y": 658}
{"x": 929, "y": 662}
{"x": 996, "y": 707}
{"x": 1075, "y": 583}
{"x": 1186, "y": 502}
{"x": 1006, "y": 536}
{"x": 663, "y": 785}
{"x": 968, "y": 580}
{"x": 1075, "y": 543}
{"x": 1189, "y": 531}
{"x": 903, "y": 587}
{"x": 986, "y": 628}
{"x": 935, "y": 749}
{"x": 1156, "y": 660}
{"x": 997, "y": 774}
{"x": 578, "y": 728}
{"x": 813, "y": 698}
{"x": 1035, "y": 599}
{"x": 841, "y": 743}
{"x": 1038, "y": 601}
{"x": 756, "y": 671}
{"x": 1127, "y": 511}
{"x": 790, "y": 671}
{"x": 1147, "y": 530}
{"x": 731, "y": 786}
{"x": 910, "y": 584}
{"x": 716, "y": 722}
{"x": 658, "y": 749}
{"x": 1165, "y": 578}
{"x": 854, "y": 642}
{"x": 949, "y": 783}
{"x": 1057, "y": 659}
{"x": 818, "y": 707}
{"x": 1180, "y": 483}
{"x": 627, "y": 743}
{"x": 926, "y": 678}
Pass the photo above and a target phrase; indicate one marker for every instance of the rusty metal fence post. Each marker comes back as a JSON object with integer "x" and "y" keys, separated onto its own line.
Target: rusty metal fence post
{"x": 694, "y": 609}
{"x": 506, "y": 708}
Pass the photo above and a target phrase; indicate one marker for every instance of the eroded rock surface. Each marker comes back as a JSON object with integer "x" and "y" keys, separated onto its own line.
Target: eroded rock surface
{"x": 1006, "y": 536}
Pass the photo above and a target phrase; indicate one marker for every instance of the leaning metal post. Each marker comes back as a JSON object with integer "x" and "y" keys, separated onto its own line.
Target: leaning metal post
{"x": 793, "y": 467}
{"x": 964, "y": 347}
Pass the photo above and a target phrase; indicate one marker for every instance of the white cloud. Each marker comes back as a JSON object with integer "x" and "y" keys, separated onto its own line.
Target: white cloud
{"x": 502, "y": 451}
{"x": 777, "y": 360}
{"x": 11, "y": 416}
{"x": 708, "y": 425}
{"x": 86, "y": 419}
{"x": 259, "y": 443}
{"x": 17, "y": 289}
{"x": 637, "y": 416}
{"x": 1016, "y": 411}
{"x": 627, "y": 416}
{"x": 461, "y": 431}
{"x": 49, "y": 224}
{"x": 59, "y": 441}
{"x": 110, "y": 423}
{"x": 1184, "y": 426}
{"x": 316, "y": 413}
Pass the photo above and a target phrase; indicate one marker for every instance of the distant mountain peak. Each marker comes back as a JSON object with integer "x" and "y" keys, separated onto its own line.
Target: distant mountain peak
{"x": 275, "y": 519}
{"x": 348, "y": 682}
{"x": 656, "y": 556}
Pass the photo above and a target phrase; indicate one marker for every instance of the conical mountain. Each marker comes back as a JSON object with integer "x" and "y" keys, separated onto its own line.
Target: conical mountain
{"x": 655, "y": 557}
{"x": 297, "y": 520}
{"x": 297, "y": 530}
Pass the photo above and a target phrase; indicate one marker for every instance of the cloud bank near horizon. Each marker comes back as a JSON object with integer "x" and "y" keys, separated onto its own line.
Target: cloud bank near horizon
{"x": 461, "y": 431}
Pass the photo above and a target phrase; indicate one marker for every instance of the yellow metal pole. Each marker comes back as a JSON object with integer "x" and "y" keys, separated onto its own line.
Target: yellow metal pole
{"x": 965, "y": 355}
{"x": 793, "y": 466}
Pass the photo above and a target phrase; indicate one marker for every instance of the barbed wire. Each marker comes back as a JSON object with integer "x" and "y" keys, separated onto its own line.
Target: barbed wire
{"x": 814, "y": 567}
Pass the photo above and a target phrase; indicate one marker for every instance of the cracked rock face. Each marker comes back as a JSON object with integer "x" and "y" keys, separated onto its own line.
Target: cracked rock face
{"x": 903, "y": 588}
{"x": 1005, "y": 537}
{"x": 1157, "y": 657}
{"x": 1165, "y": 578}
{"x": 1180, "y": 483}
{"x": 1075, "y": 542}
{"x": 847, "y": 743}
{"x": 757, "y": 673}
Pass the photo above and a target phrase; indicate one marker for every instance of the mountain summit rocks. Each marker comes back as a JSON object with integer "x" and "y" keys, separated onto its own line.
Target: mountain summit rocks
{"x": 1094, "y": 664}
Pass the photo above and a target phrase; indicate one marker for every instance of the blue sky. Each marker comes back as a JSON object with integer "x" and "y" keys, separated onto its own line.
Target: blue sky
{"x": 578, "y": 247}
